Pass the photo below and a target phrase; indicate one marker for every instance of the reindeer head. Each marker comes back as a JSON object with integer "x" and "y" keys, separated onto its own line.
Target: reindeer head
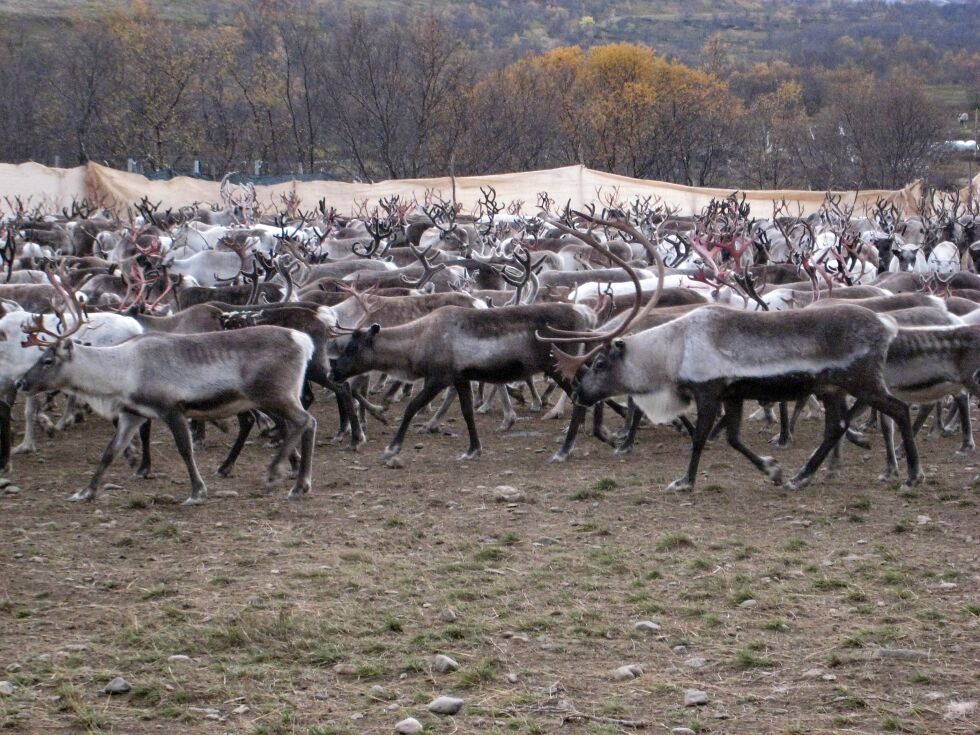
{"x": 48, "y": 372}
{"x": 355, "y": 357}
{"x": 605, "y": 377}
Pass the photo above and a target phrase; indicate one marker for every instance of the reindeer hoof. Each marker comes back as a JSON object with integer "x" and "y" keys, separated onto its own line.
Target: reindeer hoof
{"x": 913, "y": 481}
{"x": 297, "y": 493}
{"x": 796, "y": 483}
{"x": 887, "y": 475}
{"x": 623, "y": 450}
{"x": 144, "y": 473}
{"x": 82, "y": 496}
{"x": 506, "y": 425}
{"x": 680, "y": 485}
{"x": 389, "y": 453}
{"x": 963, "y": 451}
{"x": 25, "y": 449}
{"x": 772, "y": 469}
{"x": 195, "y": 500}
{"x": 558, "y": 457}
{"x": 471, "y": 454}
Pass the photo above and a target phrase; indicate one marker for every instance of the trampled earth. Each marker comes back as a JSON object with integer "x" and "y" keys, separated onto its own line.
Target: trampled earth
{"x": 325, "y": 616}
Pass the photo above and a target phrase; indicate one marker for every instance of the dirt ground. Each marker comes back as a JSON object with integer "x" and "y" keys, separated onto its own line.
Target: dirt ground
{"x": 325, "y": 616}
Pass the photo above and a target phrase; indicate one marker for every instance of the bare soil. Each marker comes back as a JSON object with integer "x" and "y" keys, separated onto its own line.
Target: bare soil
{"x": 291, "y": 612}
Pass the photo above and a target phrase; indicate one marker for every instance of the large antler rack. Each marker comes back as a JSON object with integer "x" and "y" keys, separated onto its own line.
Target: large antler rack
{"x": 568, "y": 364}
{"x": 428, "y": 270}
{"x": 35, "y": 329}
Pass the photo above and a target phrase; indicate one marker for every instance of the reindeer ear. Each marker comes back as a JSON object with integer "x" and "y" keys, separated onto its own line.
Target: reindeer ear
{"x": 67, "y": 346}
{"x": 619, "y": 344}
{"x": 374, "y": 329}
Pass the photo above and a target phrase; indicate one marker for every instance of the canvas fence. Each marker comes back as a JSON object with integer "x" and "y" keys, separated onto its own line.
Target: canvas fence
{"x": 56, "y": 188}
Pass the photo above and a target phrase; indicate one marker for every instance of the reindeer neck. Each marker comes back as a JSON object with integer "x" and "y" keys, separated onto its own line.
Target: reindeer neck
{"x": 100, "y": 371}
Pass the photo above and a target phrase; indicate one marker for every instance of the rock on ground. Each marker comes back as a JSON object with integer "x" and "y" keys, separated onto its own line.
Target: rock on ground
{"x": 445, "y": 705}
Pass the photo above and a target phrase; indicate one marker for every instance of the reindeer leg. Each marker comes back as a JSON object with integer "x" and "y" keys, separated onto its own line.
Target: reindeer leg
{"x": 487, "y": 403}
{"x": 127, "y": 424}
{"x": 68, "y": 415}
{"x": 535, "y": 396}
{"x": 925, "y": 409}
{"x": 962, "y": 402}
{"x": 185, "y": 445}
{"x": 877, "y": 396}
{"x": 432, "y": 426}
{"x": 633, "y": 422}
{"x": 307, "y": 444}
{"x": 558, "y": 410}
{"x": 465, "y": 394}
{"x": 143, "y": 471}
{"x": 836, "y": 421}
{"x": 198, "y": 432}
{"x": 785, "y": 436}
{"x": 7, "y": 397}
{"x": 510, "y": 415}
{"x": 733, "y": 422}
{"x": 888, "y": 436}
{"x": 708, "y": 406}
{"x": 430, "y": 389}
{"x": 246, "y": 420}
{"x": 578, "y": 416}
{"x": 32, "y": 406}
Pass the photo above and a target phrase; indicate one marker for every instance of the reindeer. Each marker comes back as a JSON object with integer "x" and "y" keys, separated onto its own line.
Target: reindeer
{"x": 175, "y": 377}
{"x": 715, "y": 356}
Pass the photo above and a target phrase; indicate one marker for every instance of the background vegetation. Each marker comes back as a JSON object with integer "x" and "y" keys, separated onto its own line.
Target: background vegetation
{"x": 749, "y": 93}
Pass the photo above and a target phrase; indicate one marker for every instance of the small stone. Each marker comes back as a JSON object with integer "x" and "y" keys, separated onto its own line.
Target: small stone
{"x": 934, "y": 696}
{"x": 178, "y": 657}
{"x": 682, "y": 731}
{"x": 628, "y": 672}
{"x": 345, "y": 669}
{"x": 948, "y": 585}
{"x": 902, "y": 654}
{"x": 76, "y": 647}
{"x": 445, "y": 705}
{"x": 164, "y": 499}
{"x": 508, "y": 494}
{"x": 394, "y": 463}
{"x": 444, "y": 664}
{"x": 812, "y": 673}
{"x": 117, "y": 686}
{"x": 748, "y": 603}
{"x": 829, "y": 677}
{"x": 112, "y": 486}
{"x": 357, "y": 716}
{"x": 11, "y": 489}
{"x": 226, "y": 494}
{"x": 408, "y": 726}
{"x": 377, "y": 692}
{"x": 680, "y": 648}
{"x": 695, "y": 662}
{"x": 448, "y": 616}
{"x": 4, "y": 482}
{"x": 6, "y": 688}
{"x": 922, "y": 520}
{"x": 695, "y": 698}
{"x": 511, "y": 678}
{"x": 647, "y": 626}
{"x": 240, "y": 709}
{"x": 13, "y": 668}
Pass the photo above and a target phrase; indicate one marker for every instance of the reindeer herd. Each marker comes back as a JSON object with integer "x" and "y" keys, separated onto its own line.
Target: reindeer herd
{"x": 625, "y": 307}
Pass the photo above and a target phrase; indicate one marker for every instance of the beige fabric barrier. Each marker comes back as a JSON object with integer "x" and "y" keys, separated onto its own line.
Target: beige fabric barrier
{"x": 577, "y": 184}
{"x": 36, "y": 185}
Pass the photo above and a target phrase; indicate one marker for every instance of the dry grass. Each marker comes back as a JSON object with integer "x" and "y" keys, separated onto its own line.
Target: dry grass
{"x": 268, "y": 597}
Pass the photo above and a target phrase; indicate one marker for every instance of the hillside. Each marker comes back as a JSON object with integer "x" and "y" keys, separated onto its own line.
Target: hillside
{"x": 754, "y": 29}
